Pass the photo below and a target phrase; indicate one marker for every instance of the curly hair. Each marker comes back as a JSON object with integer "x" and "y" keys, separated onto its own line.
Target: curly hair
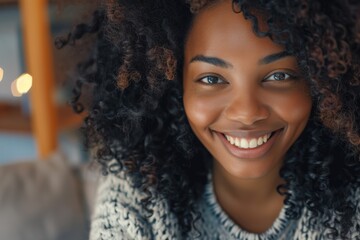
{"x": 136, "y": 115}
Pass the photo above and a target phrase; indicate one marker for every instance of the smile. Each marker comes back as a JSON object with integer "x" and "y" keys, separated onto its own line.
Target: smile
{"x": 248, "y": 143}
{"x": 249, "y": 147}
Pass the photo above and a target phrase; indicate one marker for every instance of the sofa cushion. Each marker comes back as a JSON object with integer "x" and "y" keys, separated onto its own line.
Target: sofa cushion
{"x": 41, "y": 200}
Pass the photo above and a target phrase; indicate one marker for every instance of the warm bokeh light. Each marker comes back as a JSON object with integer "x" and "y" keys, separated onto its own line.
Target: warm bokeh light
{"x": 1, "y": 73}
{"x": 14, "y": 90}
{"x": 23, "y": 83}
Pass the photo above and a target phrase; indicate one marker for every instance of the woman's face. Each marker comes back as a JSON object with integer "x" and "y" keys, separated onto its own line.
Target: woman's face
{"x": 244, "y": 97}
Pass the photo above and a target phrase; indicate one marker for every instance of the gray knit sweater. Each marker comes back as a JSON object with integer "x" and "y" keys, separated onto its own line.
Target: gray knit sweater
{"x": 119, "y": 215}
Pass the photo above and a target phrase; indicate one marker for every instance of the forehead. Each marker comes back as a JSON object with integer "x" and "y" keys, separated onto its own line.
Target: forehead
{"x": 218, "y": 30}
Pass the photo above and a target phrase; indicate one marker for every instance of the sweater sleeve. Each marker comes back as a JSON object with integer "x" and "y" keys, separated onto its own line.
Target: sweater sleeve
{"x": 355, "y": 230}
{"x": 118, "y": 213}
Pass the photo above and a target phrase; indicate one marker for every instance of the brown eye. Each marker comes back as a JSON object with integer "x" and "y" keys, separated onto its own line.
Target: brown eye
{"x": 212, "y": 80}
{"x": 279, "y": 76}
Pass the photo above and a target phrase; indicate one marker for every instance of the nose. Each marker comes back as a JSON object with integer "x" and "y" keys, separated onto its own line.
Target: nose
{"x": 247, "y": 108}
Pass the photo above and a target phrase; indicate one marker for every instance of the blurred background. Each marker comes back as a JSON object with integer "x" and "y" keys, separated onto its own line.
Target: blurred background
{"x": 17, "y": 133}
{"x": 47, "y": 183}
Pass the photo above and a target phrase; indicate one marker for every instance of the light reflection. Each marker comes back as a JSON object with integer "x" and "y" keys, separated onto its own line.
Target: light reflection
{"x": 14, "y": 90}
{"x": 21, "y": 85}
{"x": 24, "y": 83}
{"x": 1, "y": 74}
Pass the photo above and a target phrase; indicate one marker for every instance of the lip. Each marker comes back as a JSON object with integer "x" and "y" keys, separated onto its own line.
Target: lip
{"x": 249, "y": 153}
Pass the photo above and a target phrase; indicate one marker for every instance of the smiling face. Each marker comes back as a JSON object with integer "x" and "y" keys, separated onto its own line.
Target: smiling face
{"x": 244, "y": 96}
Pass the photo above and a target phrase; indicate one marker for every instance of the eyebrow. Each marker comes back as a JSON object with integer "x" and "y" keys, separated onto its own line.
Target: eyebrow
{"x": 274, "y": 57}
{"x": 211, "y": 60}
{"x": 224, "y": 64}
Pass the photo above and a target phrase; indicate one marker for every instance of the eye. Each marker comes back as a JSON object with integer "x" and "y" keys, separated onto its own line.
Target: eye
{"x": 279, "y": 76}
{"x": 211, "y": 80}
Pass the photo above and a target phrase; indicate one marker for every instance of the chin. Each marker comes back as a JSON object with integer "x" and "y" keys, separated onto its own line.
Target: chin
{"x": 249, "y": 169}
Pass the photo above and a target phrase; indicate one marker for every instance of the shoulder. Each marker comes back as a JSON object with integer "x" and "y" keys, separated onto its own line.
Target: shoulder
{"x": 310, "y": 226}
{"x": 119, "y": 214}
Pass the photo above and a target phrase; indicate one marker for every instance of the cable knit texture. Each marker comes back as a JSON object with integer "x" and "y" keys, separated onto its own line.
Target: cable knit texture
{"x": 119, "y": 215}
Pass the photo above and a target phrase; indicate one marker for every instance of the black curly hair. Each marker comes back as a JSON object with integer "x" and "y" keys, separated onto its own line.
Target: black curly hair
{"x": 136, "y": 115}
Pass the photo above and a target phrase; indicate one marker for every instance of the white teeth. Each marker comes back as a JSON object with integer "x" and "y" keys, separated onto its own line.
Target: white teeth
{"x": 253, "y": 143}
{"x": 245, "y": 143}
{"x": 237, "y": 142}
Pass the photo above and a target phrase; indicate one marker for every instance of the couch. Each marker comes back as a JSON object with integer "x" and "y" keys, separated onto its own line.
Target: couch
{"x": 47, "y": 199}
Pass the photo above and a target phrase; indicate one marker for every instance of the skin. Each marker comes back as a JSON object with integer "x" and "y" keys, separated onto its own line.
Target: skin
{"x": 238, "y": 84}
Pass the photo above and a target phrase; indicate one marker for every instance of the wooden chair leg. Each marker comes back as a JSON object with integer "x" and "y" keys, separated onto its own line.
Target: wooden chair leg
{"x": 39, "y": 62}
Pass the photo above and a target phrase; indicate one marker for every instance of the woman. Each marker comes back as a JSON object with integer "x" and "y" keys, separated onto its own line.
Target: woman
{"x": 225, "y": 119}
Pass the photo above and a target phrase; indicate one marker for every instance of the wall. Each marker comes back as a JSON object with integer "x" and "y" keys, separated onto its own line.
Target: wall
{"x": 10, "y": 51}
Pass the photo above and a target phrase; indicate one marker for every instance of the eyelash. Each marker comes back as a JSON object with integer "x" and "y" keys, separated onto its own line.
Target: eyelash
{"x": 201, "y": 80}
{"x": 287, "y": 76}
{"x": 205, "y": 80}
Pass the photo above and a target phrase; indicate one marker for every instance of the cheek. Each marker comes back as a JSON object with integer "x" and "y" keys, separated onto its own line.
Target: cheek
{"x": 200, "y": 111}
{"x": 296, "y": 107}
